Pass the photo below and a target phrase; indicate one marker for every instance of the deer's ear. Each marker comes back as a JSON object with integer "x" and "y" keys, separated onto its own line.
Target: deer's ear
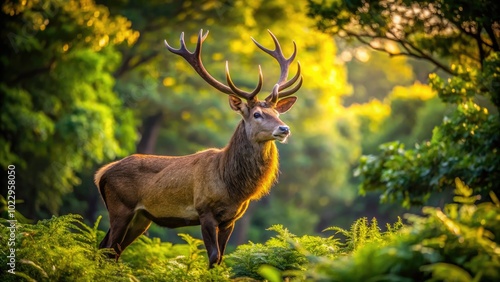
{"x": 285, "y": 104}
{"x": 236, "y": 104}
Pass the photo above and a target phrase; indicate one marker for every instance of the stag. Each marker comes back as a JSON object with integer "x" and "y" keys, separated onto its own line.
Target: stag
{"x": 211, "y": 188}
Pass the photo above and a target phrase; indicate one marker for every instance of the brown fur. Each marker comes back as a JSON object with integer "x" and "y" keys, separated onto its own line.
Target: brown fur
{"x": 212, "y": 187}
{"x": 249, "y": 170}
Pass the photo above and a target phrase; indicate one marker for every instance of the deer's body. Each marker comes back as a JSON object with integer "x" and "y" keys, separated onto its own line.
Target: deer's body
{"x": 211, "y": 188}
{"x": 204, "y": 181}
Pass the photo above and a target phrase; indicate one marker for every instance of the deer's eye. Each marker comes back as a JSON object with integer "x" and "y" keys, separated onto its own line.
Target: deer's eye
{"x": 257, "y": 115}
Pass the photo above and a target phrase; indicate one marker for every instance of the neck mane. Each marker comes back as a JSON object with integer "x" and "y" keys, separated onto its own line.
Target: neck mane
{"x": 248, "y": 169}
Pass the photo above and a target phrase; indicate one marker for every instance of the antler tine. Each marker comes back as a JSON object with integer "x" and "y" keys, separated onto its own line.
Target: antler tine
{"x": 249, "y": 96}
{"x": 199, "y": 42}
{"x": 277, "y": 53}
{"x": 293, "y": 80}
{"x": 284, "y": 63}
{"x": 289, "y": 92}
{"x": 194, "y": 59}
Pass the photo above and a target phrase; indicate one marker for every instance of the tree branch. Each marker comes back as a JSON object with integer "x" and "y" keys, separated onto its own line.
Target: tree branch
{"x": 143, "y": 60}
{"x": 494, "y": 40}
{"x": 412, "y": 51}
{"x": 479, "y": 41}
{"x": 34, "y": 72}
{"x": 126, "y": 66}
{"x": 123, "y": 67}
{"x": 425, "y": 56}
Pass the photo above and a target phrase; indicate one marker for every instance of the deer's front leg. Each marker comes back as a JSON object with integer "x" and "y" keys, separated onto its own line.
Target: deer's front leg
{"x": 210, "y": 232}
{"x": 223, "y": 237}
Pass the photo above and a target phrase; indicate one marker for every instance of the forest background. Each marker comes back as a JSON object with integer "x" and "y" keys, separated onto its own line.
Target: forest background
{"x": 396, "y": 102}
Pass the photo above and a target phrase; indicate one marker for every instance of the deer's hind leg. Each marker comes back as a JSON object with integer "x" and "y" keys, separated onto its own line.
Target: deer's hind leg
{"x": 120, "y": 217}
{"x": 137, "y": 226}
{"x": 104, "y": 241}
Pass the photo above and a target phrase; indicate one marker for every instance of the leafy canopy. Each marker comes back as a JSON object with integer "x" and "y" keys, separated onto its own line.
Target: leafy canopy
{"x": 461, "y": 39}
{"x": 58, "y": 111}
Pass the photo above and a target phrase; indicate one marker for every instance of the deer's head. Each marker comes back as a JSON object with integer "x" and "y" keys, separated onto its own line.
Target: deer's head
{"x": 261, "y": 117}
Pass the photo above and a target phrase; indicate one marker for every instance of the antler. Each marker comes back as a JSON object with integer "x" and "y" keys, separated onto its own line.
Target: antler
{"x": 284, "y": 63}
{"x": 194, "y": 59}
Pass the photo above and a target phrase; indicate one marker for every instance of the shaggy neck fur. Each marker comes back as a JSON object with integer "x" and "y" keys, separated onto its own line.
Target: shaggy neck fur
{"x": 249, "y": 169}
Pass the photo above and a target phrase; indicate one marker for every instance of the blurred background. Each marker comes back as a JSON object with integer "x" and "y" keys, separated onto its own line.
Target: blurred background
{"x": 88, "y": 82}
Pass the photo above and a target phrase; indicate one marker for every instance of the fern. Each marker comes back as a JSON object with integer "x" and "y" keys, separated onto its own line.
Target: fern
{"x": 153, "y": 260}
{"x": 362, "y": 232}
{"x": 458, "y": 243}
{"x": 286, "y": 253}
{"x": 65, "y": 249}
{"x": 61, "y": 249}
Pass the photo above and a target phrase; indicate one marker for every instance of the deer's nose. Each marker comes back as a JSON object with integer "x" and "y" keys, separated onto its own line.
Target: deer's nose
{"x": 284, "y": 129}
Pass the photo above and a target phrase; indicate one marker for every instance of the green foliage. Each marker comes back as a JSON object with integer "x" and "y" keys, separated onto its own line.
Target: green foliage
{"x": 465, "y": 144}
{"x": 59, "y": 249}
{"x": 432, "y": 30}
{"x": 461, "y": 238}
{"x": 277, "y": 252}
{"x": 293, "y": 255}
{"x": 362, "y": 232}
{"x": 65, "y": 249}
{"x": 414, "y": 112}
{"x": 154, "y": 260}
{"x": 58, "y": 112}
{"x": 6, "y": 213}
{"x": 458, "y": 243}
{"x": 299, "y": 220}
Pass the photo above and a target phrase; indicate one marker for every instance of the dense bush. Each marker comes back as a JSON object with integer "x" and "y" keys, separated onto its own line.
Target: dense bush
{"x": 458, "y": 243}
{"x": 59, "y": 249}
{"x": 65, "y": 249}
{"x": 293, "y": 255}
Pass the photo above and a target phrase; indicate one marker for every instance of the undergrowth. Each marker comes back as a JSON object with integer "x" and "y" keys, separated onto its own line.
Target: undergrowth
{"x": 65, "y": 249}
{"x": 292, "y": 255}
{"x": 458, "y": 243}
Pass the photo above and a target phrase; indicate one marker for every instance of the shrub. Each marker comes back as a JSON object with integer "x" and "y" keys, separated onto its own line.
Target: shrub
{"x": 65, "y": 249}
{"x": 458, "y": 243}
{"x": 60, "y": 249}
{"x": 290, "y": 256}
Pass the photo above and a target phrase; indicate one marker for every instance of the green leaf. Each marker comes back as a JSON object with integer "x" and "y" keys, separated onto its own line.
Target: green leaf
{"x": 270, "y": 273}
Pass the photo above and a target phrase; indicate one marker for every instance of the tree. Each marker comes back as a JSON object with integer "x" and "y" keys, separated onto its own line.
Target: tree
{"x": 58, "y": 112}
{"x": 456, "y": 30}
{"x": 462, "y": 40}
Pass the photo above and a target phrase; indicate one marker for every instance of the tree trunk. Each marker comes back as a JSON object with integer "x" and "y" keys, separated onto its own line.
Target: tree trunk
{"x": 149, "y": 134}
{"x": 92, "y": 199}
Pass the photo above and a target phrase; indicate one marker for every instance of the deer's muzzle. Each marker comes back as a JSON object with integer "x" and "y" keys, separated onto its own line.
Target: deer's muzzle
{"x": 281, "y": 133}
